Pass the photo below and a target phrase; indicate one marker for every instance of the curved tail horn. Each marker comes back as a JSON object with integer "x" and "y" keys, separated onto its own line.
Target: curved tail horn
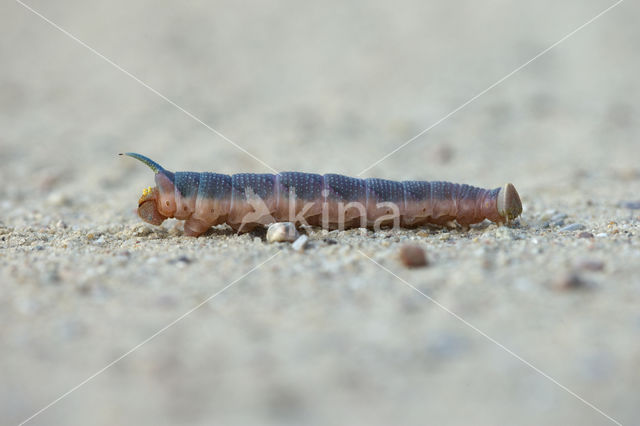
{"x": 149, "y": 162}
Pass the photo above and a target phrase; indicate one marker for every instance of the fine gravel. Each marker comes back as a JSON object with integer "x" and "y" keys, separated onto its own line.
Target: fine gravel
{"x": 115, "y": 321}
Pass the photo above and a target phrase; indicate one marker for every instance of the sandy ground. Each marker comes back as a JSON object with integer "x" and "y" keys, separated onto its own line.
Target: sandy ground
{"x": 324, "y": 336}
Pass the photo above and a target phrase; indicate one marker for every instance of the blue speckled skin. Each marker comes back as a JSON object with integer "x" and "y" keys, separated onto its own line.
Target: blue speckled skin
{"x": 215, "y": 186}
{"x": 187, "y": 183}
{"x": 344, "y": 188}
{"x": 435, "y": 202}
{"x": 262, "y": 185}
{"x": 381, "y": 190}
{"x": 416, "y": 190}
{"x": 305, "y": 186}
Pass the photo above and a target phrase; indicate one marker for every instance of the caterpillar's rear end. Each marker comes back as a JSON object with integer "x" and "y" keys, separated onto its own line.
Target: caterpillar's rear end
{"x": 247, "y": 200}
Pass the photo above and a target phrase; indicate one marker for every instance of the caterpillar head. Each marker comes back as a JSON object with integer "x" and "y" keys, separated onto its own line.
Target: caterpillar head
{"x": 158, "y": 196}
{"x": 509, "y": 204}
{"x": 148, "y": 207}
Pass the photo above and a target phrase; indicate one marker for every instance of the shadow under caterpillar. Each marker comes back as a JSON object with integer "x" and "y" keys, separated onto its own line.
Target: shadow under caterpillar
{"x": 247, "y": 200}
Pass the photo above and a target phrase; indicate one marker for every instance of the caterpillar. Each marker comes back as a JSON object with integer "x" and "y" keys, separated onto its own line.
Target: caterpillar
{"x": 247, "y": 200}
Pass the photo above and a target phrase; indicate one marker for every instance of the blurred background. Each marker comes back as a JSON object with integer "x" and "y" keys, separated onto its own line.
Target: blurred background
{"x": 325, "y": 87}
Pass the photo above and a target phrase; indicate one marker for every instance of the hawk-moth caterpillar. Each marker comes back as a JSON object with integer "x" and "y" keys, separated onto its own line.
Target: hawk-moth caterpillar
{"x": 246, "y": 200}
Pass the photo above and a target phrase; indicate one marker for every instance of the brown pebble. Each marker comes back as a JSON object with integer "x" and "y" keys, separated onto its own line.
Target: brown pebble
{"x": 444, "y": 153}
{"x": 413, "y": 256}
{"x": 570, "y": 281}
{"x": 591, "y": 265}
{"x": 585, "y": 234}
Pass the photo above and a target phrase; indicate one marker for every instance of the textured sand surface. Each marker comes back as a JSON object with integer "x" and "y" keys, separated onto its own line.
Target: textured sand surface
{"x": 323, "y": 336}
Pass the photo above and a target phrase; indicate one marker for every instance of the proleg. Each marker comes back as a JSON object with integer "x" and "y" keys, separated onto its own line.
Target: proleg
{"x": 247, "y": 200}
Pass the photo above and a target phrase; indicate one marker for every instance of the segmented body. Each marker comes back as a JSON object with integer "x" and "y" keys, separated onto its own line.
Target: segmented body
{"x": 246, "y": 200}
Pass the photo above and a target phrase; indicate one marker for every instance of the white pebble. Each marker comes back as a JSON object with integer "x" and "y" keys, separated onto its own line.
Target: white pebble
{"x": 300, "y": 243}
{"x": 282, "y": 232}
{"x": 572, "y": 227}
{"x": 58, "y": 199}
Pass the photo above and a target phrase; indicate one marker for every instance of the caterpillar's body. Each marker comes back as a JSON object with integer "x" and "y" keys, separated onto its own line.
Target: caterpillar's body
{"x": 246, "y": 200}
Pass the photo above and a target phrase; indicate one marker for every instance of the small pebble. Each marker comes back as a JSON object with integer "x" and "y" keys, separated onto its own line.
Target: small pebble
{"x": 300, "y": 243}
{"x": 570, "y": 281}
{"x": 444, "y": 153}
{"x": 182, "y": 260}
{"x": 593, "y": 265}
{"x": 633, "y": 205}
{"x": 58, "y": 199}
{"x": 572, "y": 227}
{"x": 282, "y": 232}
{"x": 558, "y": 217}
{"x": 585, "y": 234}
{"x": 413, "y": 256}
